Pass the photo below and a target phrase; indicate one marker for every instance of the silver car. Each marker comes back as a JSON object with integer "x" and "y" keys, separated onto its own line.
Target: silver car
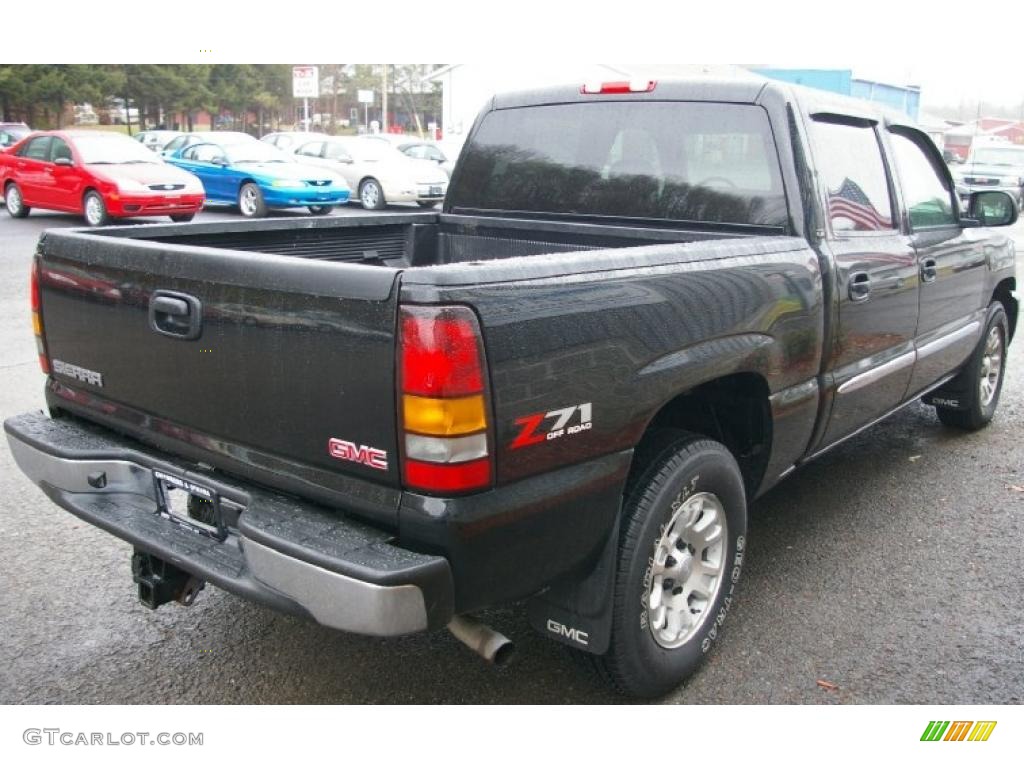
{"x": 155, "y": 140}
{"x": 417, "y": 149}
{"x": 379, "y": 173}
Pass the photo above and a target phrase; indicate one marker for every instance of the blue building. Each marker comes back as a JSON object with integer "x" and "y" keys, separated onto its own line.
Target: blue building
{"x": 905, "y": 98}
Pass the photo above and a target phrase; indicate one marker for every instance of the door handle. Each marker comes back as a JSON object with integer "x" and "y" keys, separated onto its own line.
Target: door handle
{"x": 929, "y": 270}
{"x": 175, "y": 314}
{"x": 860, "y": 286}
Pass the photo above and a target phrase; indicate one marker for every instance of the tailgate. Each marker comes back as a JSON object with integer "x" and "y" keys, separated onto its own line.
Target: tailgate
{"x": 290, "y": 358}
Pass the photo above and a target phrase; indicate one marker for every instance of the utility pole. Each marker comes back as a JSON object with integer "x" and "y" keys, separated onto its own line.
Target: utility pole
{"x": 384, "y": 102}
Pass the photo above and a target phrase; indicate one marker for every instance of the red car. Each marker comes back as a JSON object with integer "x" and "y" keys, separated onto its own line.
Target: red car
{"x": 103, "y": 176}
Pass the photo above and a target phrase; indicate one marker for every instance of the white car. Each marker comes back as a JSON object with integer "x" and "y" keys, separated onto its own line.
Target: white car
{"x": 378, "y": 172}
{"x": 287, "y": 141}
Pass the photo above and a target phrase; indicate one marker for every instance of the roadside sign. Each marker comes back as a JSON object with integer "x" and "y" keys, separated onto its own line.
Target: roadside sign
{"x": 306, "y": 82}
{"x": 365, "y": 97}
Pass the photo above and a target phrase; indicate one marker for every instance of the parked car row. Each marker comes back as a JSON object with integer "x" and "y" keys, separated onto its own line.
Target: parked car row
{"x": 105, "y": 175}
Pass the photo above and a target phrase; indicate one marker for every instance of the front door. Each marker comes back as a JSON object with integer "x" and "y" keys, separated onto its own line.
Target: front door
{"x": 876, "y": 278}
{"x": 951, "y": 260}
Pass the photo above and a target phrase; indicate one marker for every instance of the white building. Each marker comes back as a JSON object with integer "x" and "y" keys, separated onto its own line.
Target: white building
{"x": 467, "y": 87}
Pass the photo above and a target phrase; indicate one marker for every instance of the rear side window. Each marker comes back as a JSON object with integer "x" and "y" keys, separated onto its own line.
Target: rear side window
{"x": 850, "y": 162}
{"x": 928, "y": 200}
{"x": 676, "y": 161}
{"x": 37, "y": 149}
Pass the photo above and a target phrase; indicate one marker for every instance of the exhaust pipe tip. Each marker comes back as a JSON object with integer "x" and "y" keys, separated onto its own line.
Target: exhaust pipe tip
{"x": 492, "y": 646}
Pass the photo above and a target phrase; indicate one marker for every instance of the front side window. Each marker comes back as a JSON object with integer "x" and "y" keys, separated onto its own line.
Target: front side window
{"x": 204, "y": 153}
{"x": 674, "y": 161}
{"x": 929, "y": 201}
{"x": 312, "y": 149}
{"x": 336, "y": 151}
{"x": 849, "y": 160}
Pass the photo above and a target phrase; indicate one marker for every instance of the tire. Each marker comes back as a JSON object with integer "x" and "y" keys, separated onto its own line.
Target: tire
{"x": 320, "y": 210}
{"x": 693, "y": 479}
{"x": 371, "y": 195}
{"x": 95, "y": 210}
{"x": 183, "y": 218}
{"x": 14, "y": 202}
{"x": 251, "y": 202}
{"x": 982, "y": 376}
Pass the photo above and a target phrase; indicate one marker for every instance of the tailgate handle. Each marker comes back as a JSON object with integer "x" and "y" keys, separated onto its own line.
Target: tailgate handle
{"x": 175, "y": 314}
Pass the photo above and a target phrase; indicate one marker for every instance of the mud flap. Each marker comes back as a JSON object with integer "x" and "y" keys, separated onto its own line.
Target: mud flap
{"x": 951, "y": 395}
{"x": 578, "y": 611}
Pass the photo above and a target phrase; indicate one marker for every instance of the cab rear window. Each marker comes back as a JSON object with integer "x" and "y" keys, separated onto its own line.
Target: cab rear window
{"x": 677, "y": 161}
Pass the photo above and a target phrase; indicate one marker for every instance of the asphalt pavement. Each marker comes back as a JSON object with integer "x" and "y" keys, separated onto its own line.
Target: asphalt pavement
{"x": 890, "y": 568}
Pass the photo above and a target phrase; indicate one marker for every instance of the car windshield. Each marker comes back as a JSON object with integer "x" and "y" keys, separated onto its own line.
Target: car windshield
{"x": 255, "y": 152}
{"x": 993, "y": 156}
{"x": 112, "y": 149}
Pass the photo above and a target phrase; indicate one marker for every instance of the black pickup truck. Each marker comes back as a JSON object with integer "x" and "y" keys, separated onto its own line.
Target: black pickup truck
{"x": 642, "y": 305}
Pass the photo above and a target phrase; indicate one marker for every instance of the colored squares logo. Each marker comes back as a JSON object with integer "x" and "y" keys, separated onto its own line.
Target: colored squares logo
{"x": 958, "y": 730}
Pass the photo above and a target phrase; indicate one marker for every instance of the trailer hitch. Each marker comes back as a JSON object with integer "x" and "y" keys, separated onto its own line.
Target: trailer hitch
{"x": 161, "y": 582}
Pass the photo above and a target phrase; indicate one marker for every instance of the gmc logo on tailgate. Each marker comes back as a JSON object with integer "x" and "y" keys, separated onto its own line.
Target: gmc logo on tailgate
{"x": 360, "y": 454}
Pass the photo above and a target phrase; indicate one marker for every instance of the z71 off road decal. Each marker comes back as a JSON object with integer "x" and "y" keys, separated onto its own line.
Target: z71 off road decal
{"x": 542, "y": 427}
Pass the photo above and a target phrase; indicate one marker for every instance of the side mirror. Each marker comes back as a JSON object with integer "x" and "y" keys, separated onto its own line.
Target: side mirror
{"x": 221, "y": 161}
{"x": 991, "y": 209}
{"x": 67, "y": 162}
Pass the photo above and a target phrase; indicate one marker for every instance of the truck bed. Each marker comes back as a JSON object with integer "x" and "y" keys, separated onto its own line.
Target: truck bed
{"x": 412, "y": 240}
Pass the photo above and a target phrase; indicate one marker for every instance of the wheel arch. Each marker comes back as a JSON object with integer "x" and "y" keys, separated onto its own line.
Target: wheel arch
{"x": 1003, "y": 293}
{"x": 733, "y": 409}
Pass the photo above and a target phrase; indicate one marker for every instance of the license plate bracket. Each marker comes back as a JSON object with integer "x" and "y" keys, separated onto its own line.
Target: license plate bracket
{"x": 164, "y": 483}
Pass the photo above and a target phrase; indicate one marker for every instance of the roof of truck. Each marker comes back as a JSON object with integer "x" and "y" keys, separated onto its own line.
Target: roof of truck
{"x": 739, "y": 90}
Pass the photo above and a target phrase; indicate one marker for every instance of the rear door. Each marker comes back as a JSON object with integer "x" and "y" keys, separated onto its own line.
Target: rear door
{"x": 30, "y": 171}
{"x": 951, "y": 259}
{"x": 872, "y": 357}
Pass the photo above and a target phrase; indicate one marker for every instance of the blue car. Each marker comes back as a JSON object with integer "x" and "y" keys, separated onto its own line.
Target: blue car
{"x": 256, "y": 177}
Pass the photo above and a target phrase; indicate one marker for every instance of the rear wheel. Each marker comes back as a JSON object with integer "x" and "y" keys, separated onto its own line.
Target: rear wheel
{"x": 182, "y": 218}
{"x": 251, "y": 202}
{"x": 15, "y": 202}
{"x": 320, "y": 210}
{"x": 95, "y": 210}
{"x": 680, "y": 556}
{"x": 982, "y": 376}
{"x": 371, "y": 195}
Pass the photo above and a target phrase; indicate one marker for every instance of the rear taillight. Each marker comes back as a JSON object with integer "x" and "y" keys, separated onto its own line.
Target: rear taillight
{"x": 443, "y": 400}
{"x": 37, "y": 319}
{"x": 619, "y": 86}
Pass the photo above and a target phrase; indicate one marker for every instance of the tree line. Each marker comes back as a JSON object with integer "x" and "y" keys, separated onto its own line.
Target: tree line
{"x": 42, "y": 94}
